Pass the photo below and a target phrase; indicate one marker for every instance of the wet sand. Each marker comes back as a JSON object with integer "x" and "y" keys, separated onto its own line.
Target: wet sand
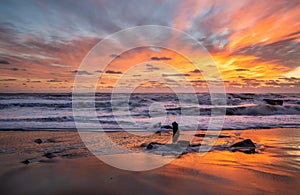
{"x": 275, "y": 168}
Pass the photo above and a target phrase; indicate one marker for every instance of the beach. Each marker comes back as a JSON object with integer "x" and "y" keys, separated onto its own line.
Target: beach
{"x": 72, "y": 168}
{"x": 149, "y": 97}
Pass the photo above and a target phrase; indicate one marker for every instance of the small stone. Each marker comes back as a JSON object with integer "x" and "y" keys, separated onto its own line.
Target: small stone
{"x": 49, "y": 155}
{"x": 246, "y": 143}
{"x": 38, "y": 141}
{"x": 28, "y": 161}
{"x": 150, "y": 146}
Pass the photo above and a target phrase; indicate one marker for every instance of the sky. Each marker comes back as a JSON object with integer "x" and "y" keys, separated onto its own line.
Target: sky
{"x": 254, "y": 44}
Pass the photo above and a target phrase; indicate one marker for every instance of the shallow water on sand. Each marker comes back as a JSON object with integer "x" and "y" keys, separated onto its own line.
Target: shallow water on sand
{"x": 274, "y": 168}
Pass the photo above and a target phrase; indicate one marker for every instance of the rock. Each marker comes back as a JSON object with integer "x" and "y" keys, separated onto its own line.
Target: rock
{"x": 194, "y": 145}
{"x": 199, "y": 135}
{"x": 144, "y": 145}
{"x": 28, "y": 161}
{"x": 72, "y": 155}
{"x": 245, "y": 150}
{"x": 246, "y": 146}
{"x": 207, "y": 135}
{"x": 246, "y": 143}
{"x": 50, "y": 155}
{"x": 151, "y": 145}
{"x": 274, "y": 102}
{"x": 38, "y": 141}
{"x": 166, "y": 127}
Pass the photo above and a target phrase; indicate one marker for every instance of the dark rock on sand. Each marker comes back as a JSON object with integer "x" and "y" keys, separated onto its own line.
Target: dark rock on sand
{"x": 244, "y": 143}
{"x": 39, "y": 141}
{"x": 179, "y": 144}
{"x": 166, "y": 127}
{"x": 207, "y": 135}
{"x": 28, "y": 161}
{"x": 144, "y": 145}
{"x": 50, "y": 155}
{"x": 72, "y": 155}
{"x": 194, "y": 145}
{"x": 274, "y": 102}
{"x": 185, "y": 143}
{"x": 150, "y": 145}
{"x": 246, "y": 146}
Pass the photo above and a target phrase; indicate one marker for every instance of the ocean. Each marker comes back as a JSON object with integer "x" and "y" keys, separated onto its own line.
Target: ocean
{"x": 53, "y": 111}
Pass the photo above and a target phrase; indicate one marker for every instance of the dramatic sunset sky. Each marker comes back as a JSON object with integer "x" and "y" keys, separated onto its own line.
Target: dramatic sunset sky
{"x": 255, "y": 44}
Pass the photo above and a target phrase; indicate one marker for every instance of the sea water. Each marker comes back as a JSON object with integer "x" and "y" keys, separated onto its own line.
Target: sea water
{"x": 147, "y": 112}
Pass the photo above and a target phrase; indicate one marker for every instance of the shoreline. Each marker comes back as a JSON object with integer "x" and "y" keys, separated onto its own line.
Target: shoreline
{"x": 74, "y": 169}
{"x": 107, "y": 131}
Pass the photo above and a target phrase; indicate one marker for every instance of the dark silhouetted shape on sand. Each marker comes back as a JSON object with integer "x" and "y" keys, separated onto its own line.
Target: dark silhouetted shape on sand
{"x": 175, "y": 131}
{"x": 166, "y": 127}
{"x": 246, "y": 146}
{"x": 28, "y": 161}
{"x": 39, "y": 141}
{"x": 50, "y": 155}
{"x": 151, "y": 145}
{"x": 207, "y": 135}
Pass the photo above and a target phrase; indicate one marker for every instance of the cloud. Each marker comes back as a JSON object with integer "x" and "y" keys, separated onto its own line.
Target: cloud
{"x": 115, "y": 56}
{"x": 60, "y": 65}
{"x": 175, "y": 75}
{"x": 290, "y": 79}
{"x": 113, "y": 72}
{"x": 81, "y": 72}
{"x": 241, "y": 69}
{"x": 196, "y": 71}
{"x": 152, "y": 68}
{"x": 284, "y": 52}
{"x": 66, "y": 30}
{"x": 160, "y": 58}
{"x": 170, "y": 80}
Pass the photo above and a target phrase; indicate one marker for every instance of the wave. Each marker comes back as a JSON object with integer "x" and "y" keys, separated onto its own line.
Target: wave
{"x": 243, "y": 111}
{"x": 37, "y": 105}
{"x": 253, "y": 110}
{"x": 41, "y": 119}
{"x": 263, "y": 110}
{"x": 142, "y": 109}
